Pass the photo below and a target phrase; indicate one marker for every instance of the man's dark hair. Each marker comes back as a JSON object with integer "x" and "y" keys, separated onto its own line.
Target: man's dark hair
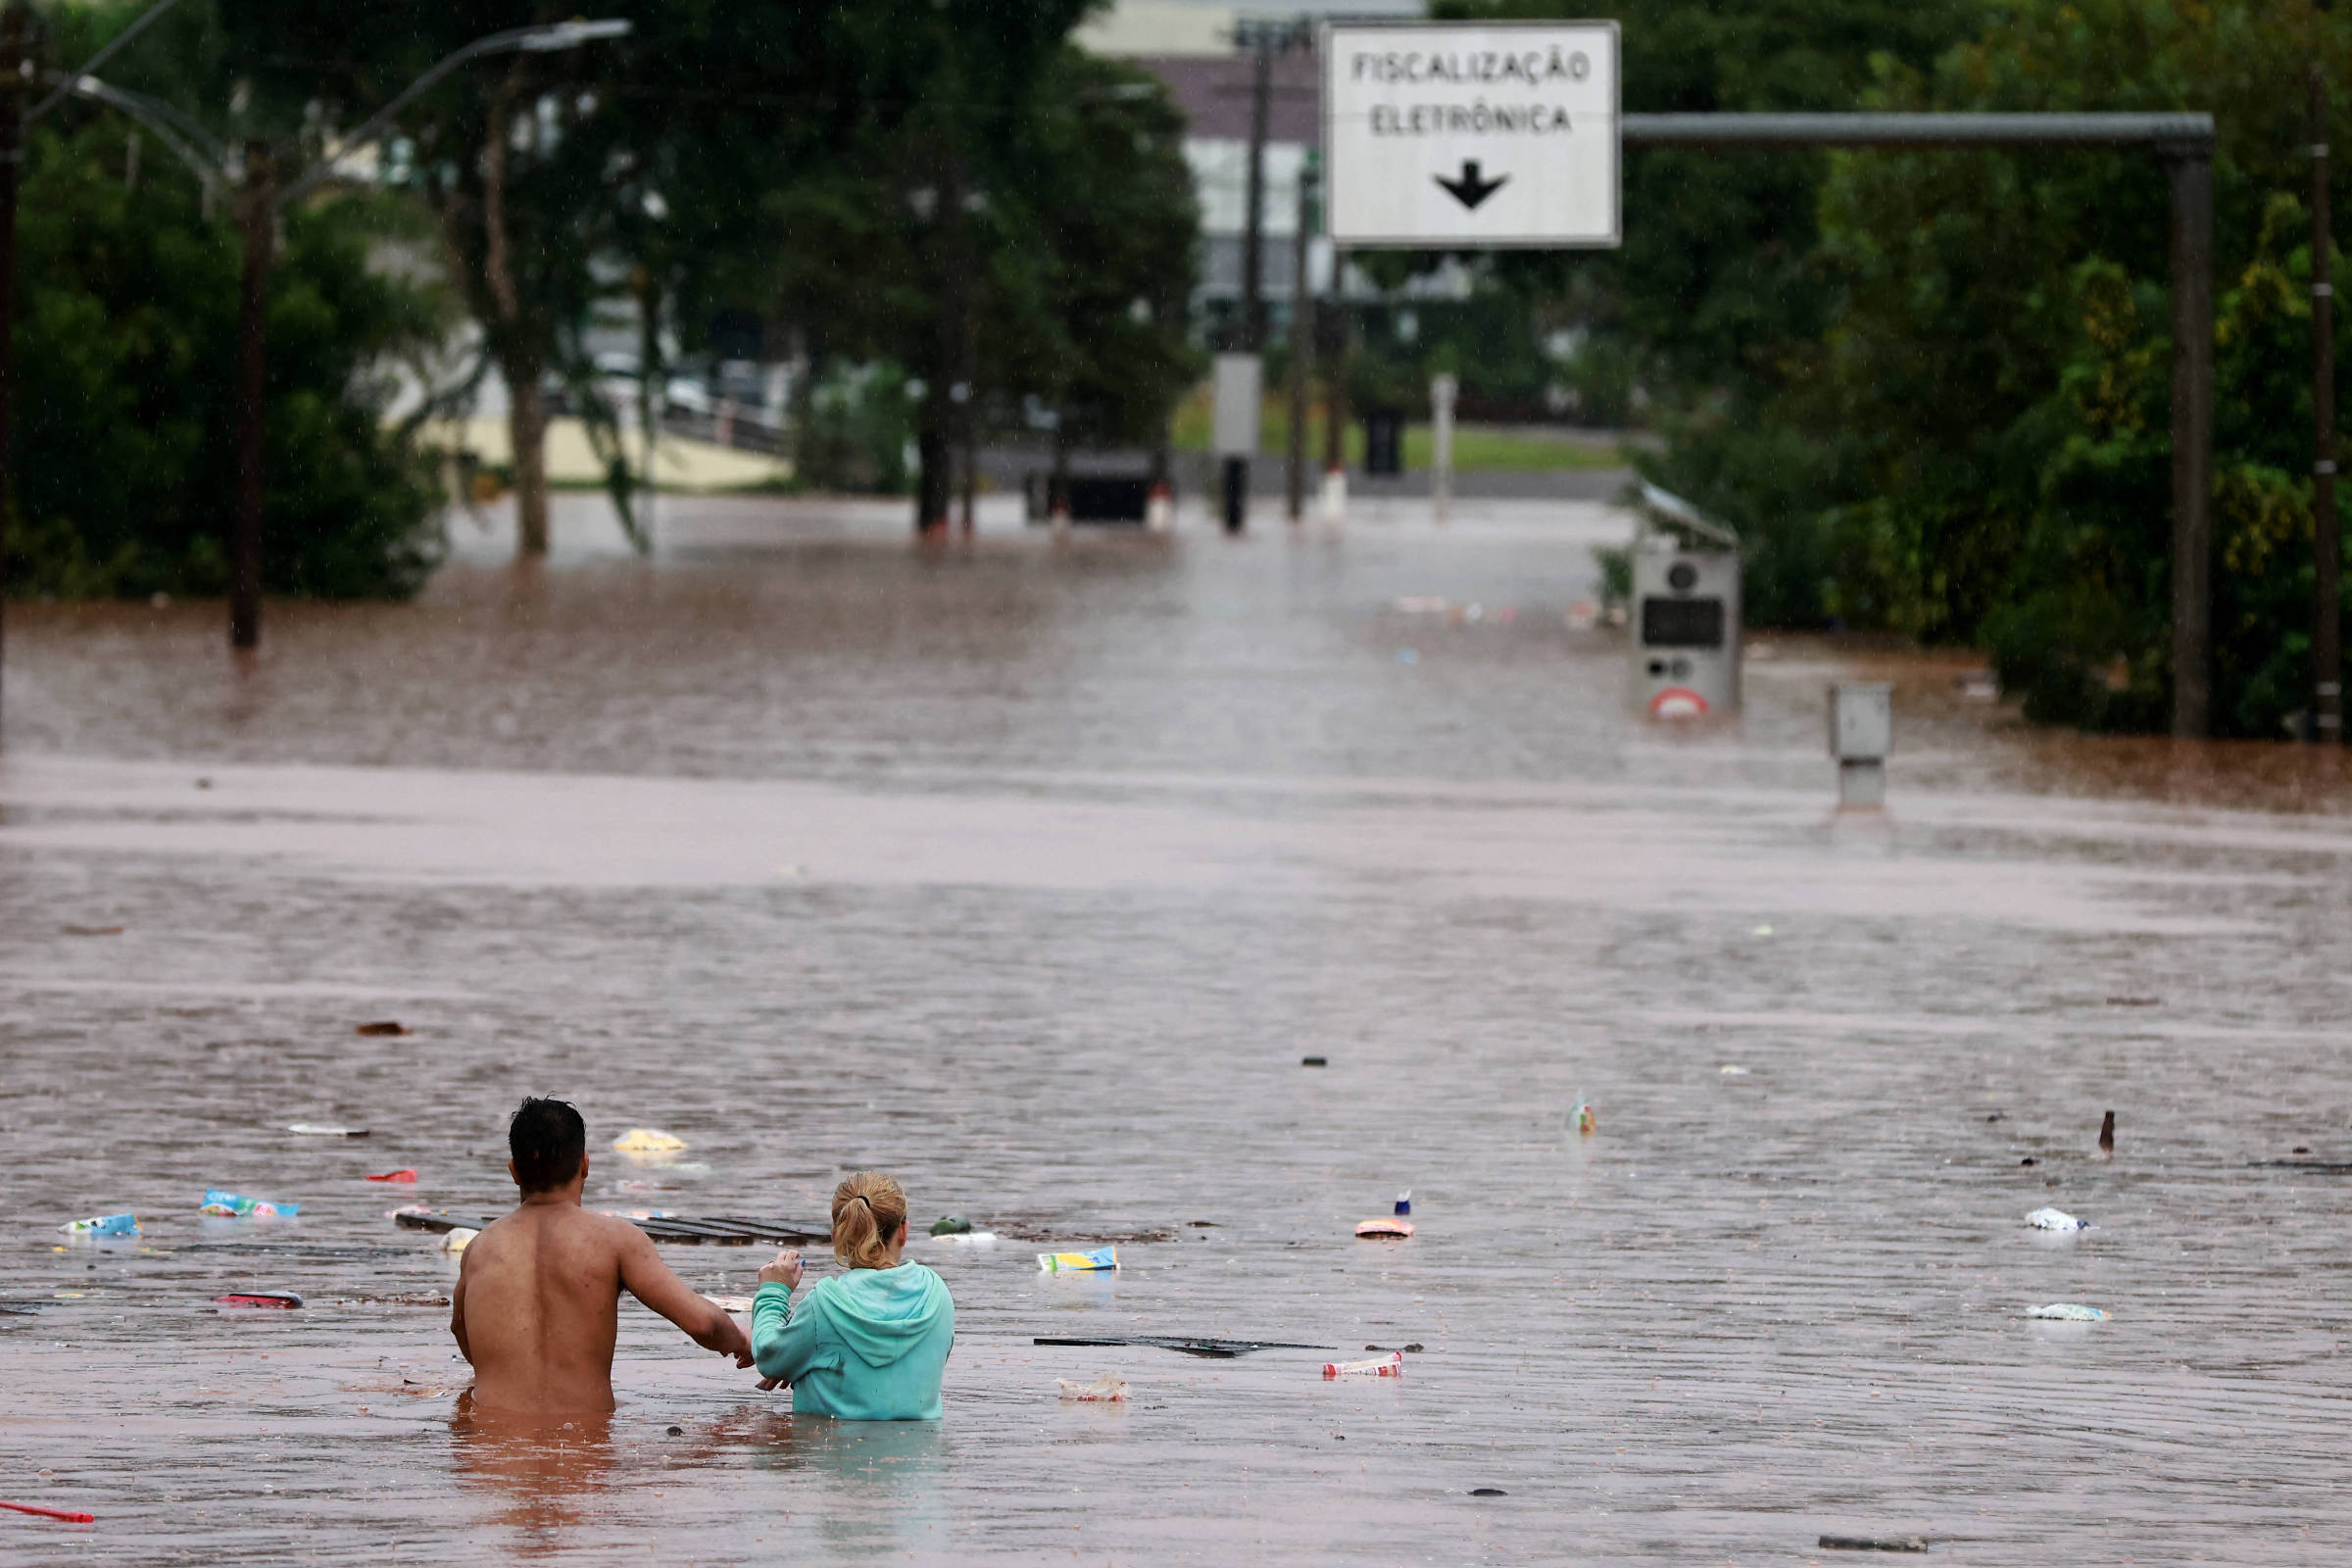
{"x": 548, "y": 1140}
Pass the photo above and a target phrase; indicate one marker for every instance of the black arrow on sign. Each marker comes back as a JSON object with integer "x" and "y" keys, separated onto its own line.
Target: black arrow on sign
{"x": 1470, "y": 190}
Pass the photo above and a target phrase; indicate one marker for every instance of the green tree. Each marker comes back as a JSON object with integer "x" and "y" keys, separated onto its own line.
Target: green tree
{"x": 1978, "y": 444}
{"x": 126, "y": 344}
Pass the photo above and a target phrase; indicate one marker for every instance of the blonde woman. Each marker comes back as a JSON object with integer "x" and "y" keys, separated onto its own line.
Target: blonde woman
{"x": 867, "y": 1343}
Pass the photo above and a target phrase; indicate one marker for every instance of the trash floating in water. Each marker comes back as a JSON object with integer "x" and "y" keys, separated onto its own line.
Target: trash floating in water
{"x": 967, "y": 1238}
{"x": 1107, "y": 1389}
{"x": 91, "y": 930}
{"x": 2029, "y": 1160}
{"x": 284, "y": 1300}
{"x": 647, "y": 1141}
{"x": 67, "y": 1514}
{"x": 1732, "y": 1070}
{"x": 2135, "y": 1001}
{"x": 1874, "y": 1543}
{"x": 1390, "y": 1365}
{"x": 952, "y": 1225}
{"x": 1413, "y": 1349}
{"x": 459, "y": 1238}
{"x": 2057, "y": 1219}
{"x": 2107, "y": 1134}
{"x": 1404, "y": 1202}
{"x": 1581, "y": 1118}
{"x": 1314, "y": 1061}
{"x": 1487, "y": 1492}
{"x": 237, "y": 1205}
{"x": 1101, "y": 1257}
{"x": 2068, "y": 1312}
{"x": 1214, "y": 1349}
{"x": 314, "y": 1130}
{"x": 404, "y": 1174}
{"x": 401, "y": 1299}
{"x": 732, "y": 1304}
{"x": 103, "y": 1225}
{"x": 1385, "y": 1227}
{"x": 383, "y": 1029}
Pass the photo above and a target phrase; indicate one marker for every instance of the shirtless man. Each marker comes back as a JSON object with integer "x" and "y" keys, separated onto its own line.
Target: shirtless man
{"x": 537, "y": 1305}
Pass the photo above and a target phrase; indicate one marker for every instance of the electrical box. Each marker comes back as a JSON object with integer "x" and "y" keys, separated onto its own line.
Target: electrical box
{"x": 1861, "y": 721}
{"x": 1686, "y": 625}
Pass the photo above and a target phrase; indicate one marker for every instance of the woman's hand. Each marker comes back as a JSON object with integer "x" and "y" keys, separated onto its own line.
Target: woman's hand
{"x": 784, "y": 1271}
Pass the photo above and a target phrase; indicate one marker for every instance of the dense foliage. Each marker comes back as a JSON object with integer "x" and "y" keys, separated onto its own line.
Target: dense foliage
{"x": 126, "y": 344}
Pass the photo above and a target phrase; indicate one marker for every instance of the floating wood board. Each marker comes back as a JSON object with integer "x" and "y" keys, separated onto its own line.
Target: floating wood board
{"x": 1222, "y": 1349}
{"x": 729, "y": 1230}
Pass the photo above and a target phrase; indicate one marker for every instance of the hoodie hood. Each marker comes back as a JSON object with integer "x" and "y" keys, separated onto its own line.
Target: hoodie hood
{"x": 882, "y": 1313}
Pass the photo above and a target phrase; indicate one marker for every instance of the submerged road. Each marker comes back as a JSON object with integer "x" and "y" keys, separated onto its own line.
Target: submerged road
{"x": 1030, "y": 873}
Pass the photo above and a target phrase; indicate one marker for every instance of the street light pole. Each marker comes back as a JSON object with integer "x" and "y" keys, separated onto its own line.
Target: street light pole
{"x": 12, "y": 159}
{"x": 260, "y": 218}
{"x": 2326, "y": 648}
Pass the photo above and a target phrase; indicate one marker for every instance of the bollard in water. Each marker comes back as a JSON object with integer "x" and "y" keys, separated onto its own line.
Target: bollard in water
{"x": 1861, "y": 734}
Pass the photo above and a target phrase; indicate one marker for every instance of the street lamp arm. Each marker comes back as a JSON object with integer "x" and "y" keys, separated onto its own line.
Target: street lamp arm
{"x": 517, "y": 41}
{"x": 180, "y": 135}
{"x": 98, "y": 59}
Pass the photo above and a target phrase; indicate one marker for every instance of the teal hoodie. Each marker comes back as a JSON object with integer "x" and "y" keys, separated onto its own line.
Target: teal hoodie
{"x": 866, "y": 1345}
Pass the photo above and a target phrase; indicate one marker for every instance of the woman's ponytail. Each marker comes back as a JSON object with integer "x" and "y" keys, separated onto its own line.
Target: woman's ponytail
{"x": 869, "y": 1209}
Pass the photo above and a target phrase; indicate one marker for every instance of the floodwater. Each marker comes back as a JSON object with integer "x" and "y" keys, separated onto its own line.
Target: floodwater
{"x": 1030, "y": 873}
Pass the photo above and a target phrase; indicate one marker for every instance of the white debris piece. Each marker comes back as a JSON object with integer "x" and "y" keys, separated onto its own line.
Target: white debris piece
{"x": 1108, "y": 1389}
{"x": 2068, "y": 1312}
{"x": 2057, "y": 1219}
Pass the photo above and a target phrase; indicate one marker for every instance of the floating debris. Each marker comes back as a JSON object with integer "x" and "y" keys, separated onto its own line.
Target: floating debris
{"x": 383, "y": 1029}
{"x": 459, "y": 1238}
{"x": 103, "y": 1225}
{"x": 1732, "y": 1070}
{"x": 967, "y": 1238}
{"x": 1413, "y": 1349}
{"x": 2057, "y": 1219}
{"x": 1390, "y": 1365}
{"x": 1874, "y": 1543}
{"x": 67, "y": 1514}
{"x": 2107, "y": 1134}
{"x": 648, "y": 1141}
{"x": 1213, "y": 1349}
{"x": 2068, "y": 1312}
{"x": 1487, "y": 1492}
{"x": 91, "y": 930}
{"x": 308, "y": 1129}
{"x": 401, "y": 1175}
{"x": 952, "y": 1225}
{"x": 237, "y": 1205}
{"x": 1314, "y": 1061}
{"x": 1384, "y": 1227}
{"x": 1105, "y": 1389}
{"x": 283, "y": 1300}
{"x": 1101, "y": 1257}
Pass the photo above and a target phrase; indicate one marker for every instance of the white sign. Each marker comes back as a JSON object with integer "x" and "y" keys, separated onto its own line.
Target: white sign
{"x": 1237, "y": 405}
{"x": 1441, "y": 135}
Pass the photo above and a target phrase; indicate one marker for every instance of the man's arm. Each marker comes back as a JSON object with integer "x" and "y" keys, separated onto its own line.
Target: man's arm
{"x": 651, "y": 1281}
{"x": 457, "y": 1312}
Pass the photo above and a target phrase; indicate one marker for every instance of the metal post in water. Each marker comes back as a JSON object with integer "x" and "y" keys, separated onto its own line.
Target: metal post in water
{"x": 1442, "y": 390}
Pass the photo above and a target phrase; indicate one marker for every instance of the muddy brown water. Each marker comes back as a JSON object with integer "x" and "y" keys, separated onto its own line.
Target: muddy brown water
{"x": 1030, "y": 874}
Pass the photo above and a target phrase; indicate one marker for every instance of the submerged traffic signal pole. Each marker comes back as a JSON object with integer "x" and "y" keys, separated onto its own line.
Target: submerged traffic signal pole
{"x": 2185, "y": 142}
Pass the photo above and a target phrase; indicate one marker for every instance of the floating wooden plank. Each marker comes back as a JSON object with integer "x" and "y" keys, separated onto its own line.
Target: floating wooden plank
{"x": 1220, "y": 1349}
{"x": 731, "y": 1230}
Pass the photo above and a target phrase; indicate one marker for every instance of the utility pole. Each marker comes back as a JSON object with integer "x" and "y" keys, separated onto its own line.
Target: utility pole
{"x": 2326, "y": 646}
{"x": 259, "y": 217}
{"x": 1334, "y": 395}
{"x": 12, "y": 159}
{"x": 1302, "y": 336}
{"x": 1253, "y": 306}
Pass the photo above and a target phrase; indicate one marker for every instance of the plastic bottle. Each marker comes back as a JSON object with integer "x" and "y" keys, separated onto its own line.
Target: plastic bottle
{"x": 235, "y": 1205}
{"x": 1390, "y": 1365}
{"x": 103, "y": 1225}
{"x": 1404, "y": 1202}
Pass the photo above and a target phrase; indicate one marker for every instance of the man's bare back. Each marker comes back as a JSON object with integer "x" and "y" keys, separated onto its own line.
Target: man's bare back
{"x": 537, "y": 1304}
